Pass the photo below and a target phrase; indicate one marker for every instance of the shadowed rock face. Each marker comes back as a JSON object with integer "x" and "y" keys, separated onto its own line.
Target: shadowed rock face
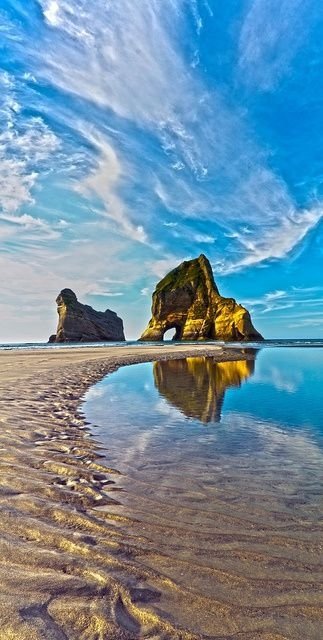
{"x": 188, "y": 300}
{"x": 80, "y": 323}
{"x": 196, "y": 386}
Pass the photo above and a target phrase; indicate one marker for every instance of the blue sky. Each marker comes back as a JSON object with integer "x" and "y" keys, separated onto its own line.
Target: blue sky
{"x": 134, "y": 135}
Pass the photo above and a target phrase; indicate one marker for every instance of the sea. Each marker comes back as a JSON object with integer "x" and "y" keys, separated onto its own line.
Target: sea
{"x": 221, "y": 486}
{"x": 134, "y": 343}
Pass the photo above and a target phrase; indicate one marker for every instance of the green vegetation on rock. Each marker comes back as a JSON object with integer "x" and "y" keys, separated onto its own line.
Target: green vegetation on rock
{"x": 188, "y": 300}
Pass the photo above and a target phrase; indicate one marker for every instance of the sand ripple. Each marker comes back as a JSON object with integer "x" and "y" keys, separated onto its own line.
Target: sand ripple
{"x": 84, "y": 558}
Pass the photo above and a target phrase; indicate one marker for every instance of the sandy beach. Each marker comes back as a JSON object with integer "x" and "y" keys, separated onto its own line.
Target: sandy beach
{"x": 85, "y": 555}
{"x": 66, "y": 565}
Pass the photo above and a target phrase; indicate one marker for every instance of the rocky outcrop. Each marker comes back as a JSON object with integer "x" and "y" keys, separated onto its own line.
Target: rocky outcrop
{"x": 80, "y": 323}
{"x": 188, "y": 300}
{"x": 203, "y": 383}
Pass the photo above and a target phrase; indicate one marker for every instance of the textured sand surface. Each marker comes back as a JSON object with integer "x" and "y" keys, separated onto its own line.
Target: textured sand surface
{"x": 68, "y": 560}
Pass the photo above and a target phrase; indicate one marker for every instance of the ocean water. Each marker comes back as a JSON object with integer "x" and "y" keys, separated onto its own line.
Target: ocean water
{"x": 294, "y": 342}
{"x": 222, "y": 489}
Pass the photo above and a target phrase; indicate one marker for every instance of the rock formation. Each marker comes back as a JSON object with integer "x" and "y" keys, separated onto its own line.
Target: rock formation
{"x": 188, "y": 300}
{"x": 80, "y": 323}
{"x": 196, "y": 386}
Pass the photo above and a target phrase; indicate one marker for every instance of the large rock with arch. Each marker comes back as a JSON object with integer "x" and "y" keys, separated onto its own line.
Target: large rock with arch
{"x": 188, "y": 300}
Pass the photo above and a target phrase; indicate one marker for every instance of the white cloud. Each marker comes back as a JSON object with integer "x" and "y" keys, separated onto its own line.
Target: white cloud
{"x": 277, "y": 241}
{"x": 106, "y": 54}
{"x": 110, "y": 54}
{"x": 26, "y": 222}
{"x": 305, "y": 290}
{"x": 278, "y": 307}
{"x": 294, "y": 298}
{"x": 37, "y": 272}
{"x": 103, "y": 181}
{"x": 204, "y": 238}
{"x": 51, "y": 12}
{"x": 161, "y": 267}
{"x": 107, "y": 294}
{"x": 212, "y": 168}
{"x": 275, "y": 295}
{"x": 308, "y": 322}
{"x": 255, "y": 209}
{"x": 271, "y": 35}
{"x": 25, "y": 146}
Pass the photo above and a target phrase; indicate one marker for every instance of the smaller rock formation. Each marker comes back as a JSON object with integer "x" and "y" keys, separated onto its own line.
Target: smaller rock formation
{"x": 188, "y": 300}
{"x": 80, "y": 323}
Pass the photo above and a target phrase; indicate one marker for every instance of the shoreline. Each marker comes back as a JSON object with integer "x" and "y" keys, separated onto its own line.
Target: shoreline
{"x": 60, "y": 551}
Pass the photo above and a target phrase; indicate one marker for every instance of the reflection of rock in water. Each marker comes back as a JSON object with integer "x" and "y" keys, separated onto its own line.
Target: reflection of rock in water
{"x": 196, "y": 386}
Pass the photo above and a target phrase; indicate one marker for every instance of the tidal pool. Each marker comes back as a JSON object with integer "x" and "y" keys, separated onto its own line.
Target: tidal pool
{"x": 221, "y": 491}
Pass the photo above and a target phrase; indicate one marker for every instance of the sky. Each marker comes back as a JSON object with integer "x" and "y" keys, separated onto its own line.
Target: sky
{"x": 135, "y": 135}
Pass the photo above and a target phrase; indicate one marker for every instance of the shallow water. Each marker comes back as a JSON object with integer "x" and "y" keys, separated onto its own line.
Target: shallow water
{"x": 222, "y": 486}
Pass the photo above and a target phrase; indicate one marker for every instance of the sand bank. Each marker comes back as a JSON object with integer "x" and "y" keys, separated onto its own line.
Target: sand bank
{"x": 67, "y": 569}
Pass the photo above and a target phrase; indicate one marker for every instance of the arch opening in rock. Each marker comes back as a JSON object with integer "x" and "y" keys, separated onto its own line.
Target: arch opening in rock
{"x": 173, "y": 333}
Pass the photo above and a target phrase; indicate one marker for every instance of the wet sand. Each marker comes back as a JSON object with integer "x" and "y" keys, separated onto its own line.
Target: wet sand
{"x": 67, "y": 557}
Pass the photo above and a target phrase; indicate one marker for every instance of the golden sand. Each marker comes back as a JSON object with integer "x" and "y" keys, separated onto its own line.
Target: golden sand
{"x": 78, "y": 563}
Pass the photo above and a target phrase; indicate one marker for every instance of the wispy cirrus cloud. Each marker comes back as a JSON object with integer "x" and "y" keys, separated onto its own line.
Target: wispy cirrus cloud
{"x": 51, "y": 12}
{"x": 106, "y": 294}
{"x": 276, "y": 242}
{"x": 161, "y": 266}
{"x": 207, "y": 162}
{"x": 111, "y": 57}
{"x": 145, "y": 291}
{"x": 103, "y": 182}
{"x": 26, "y": 145}
{"x": 205, "y": 146}
{"x": 296, "y": 298}
{"x": 203, "y": 238}
{"x": 270, "y": 37}
{"x": 28, "y": 226}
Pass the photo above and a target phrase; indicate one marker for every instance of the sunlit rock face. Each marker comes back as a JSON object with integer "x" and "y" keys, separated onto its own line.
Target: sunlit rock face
{"x": 188, "y": 300}
{"x": 80, "y": 323}
{"x": 196, "y": 386}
